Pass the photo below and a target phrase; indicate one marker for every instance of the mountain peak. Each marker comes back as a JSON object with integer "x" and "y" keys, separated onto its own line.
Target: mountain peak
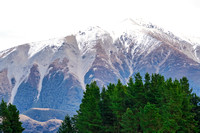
{"x": 91, "y": 34}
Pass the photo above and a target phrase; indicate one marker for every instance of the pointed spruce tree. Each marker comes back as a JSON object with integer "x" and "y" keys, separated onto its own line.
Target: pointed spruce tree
{"x": 106, "y": 112}
{"x": 150, "y": 119}
{"x": 118, "y": 105}
{"x": 128, "y": 122}
{"x": 10, "y": 119}
{"x": 16, "y": 125}
{"x": 67, "y": 126}
{"x": 89, "y": 117}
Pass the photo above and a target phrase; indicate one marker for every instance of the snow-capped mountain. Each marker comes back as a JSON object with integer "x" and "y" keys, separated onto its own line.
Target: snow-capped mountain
{"x": 53, "y": 73}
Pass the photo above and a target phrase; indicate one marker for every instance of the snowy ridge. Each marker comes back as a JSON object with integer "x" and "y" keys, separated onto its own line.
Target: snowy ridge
{"x": 134, "y": 32}
{"x": 5, "y": 53}
{"x": 87, "y": 39}
{"x": 139, "y": 29}
{"x": 36, "y": 47}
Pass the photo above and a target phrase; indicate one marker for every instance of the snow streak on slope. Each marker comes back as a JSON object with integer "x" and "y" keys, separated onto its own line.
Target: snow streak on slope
{"x": 43, "y": 71}
{"x": 161, "y": 63}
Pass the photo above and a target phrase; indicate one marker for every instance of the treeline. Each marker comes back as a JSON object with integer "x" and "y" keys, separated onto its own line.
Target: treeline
{"x": 152, "y": 105}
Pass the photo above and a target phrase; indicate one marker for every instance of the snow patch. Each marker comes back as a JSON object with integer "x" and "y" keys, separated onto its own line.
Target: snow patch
{"x": 91, "y": 76}
{"x": 161, "y": 63}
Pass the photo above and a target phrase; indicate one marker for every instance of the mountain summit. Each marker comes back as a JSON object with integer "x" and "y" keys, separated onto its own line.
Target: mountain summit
{"x": 53, "y": 73}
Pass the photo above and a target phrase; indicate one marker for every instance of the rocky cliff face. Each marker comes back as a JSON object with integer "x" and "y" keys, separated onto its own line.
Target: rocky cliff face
{"x": 53, "y": 74}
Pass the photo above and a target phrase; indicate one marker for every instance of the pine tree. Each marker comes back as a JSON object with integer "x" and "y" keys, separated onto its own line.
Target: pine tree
{"x": 130, "y": 94}
{"x": 16, "y": 125}
{"x": 195, "y": 101}
{"x": 156, "y": 89}
{"x": 67, "y": 126}
{"x": 188, "y": 122}
{"x": 106, "y": 112}
{"x": 10, "y": 117}
{"x": 89, "y": 116}
{"x": 5, "y": 115}
{"x": 118, "y": 105}
{"x": 128, "y": 122}
{"x": 168, "y": 108}
{"x": 139, "y": 97}
{"x": 150, "y": 119}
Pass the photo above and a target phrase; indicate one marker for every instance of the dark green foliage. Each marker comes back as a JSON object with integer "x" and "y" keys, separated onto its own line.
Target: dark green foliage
{"x": 107, "y": 115}
{"x": 139, "y": 90}
{"x": 150, "y": 118}
{"x": 128, "y": 122}
{"x": 118, "y": 105}
{"x": 130, "y": 94}
{"x": 155, "y": 105}
{"x": 195, "y": 100}
{"x": 89, "y": 117}
{"x": 10, "y": 117}
{"x": 67, "y": 126}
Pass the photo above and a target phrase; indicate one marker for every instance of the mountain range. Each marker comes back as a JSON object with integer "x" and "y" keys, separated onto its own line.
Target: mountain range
{"x": 50, "y": 76}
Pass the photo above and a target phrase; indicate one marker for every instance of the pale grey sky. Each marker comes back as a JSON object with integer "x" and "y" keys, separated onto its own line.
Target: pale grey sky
{"x": 23, "y": 21}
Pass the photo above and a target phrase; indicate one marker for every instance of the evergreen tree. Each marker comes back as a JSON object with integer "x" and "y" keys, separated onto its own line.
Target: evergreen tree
{"x": 128, "y": 122}
{"x": 139, "y": 97}
{"x": 106, "y": 112}
{"x": 5, "y": 115}
{"x": 130, "y": 94}
{"x": 74, "y": 123}
{"x": 150, "y": 119}
{"x": 118, "y": 104}
{"x": 195, "y": 100}
{"x": 16, "y": 125}
{"x": 67, "y": 126}
{"x": 89, "y": 117}
{"x": 156, "y": 89}
{"x": 147, "y": 84}
{"x": 10, "y": 117}
{"x": 188, "y": 122}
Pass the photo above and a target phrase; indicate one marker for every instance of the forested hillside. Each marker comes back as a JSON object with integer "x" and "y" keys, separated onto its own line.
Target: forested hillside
{"x": 154, "y": 104}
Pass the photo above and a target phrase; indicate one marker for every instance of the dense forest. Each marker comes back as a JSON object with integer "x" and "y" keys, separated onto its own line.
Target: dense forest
{"x": 154, "y": 104}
